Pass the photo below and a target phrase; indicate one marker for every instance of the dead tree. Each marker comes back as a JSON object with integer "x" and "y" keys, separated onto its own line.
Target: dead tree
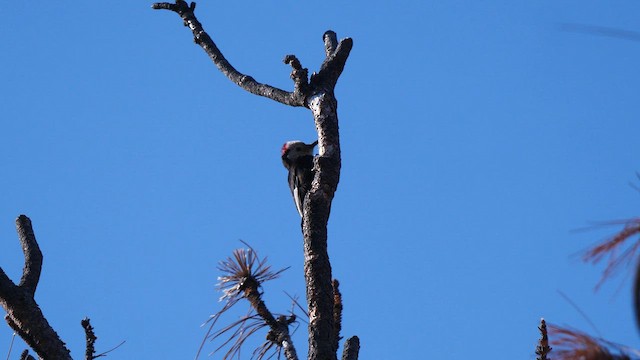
{"x": 324, "y": 301}
{"x": 317, "y": 94}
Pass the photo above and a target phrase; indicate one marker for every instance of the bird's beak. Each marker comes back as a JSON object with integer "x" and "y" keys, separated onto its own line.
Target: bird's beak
{"x": 313, "y": 144}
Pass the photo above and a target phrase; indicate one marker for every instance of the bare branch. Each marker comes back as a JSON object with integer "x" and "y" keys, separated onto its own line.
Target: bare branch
{"x": 91, "y": 338}
{"x": 296, "y": 303}
{"x": 23, "y": 335}
{"x": 334, "y": 63}
{"x": 543, "y": 349}
{"x": 300, "y": 77}
{"x": 248, "y": 83}
{"x": 110, "y": 350}
{"x": 351, "y": 348}
{"x": 32, "y": 255}
{"x": 7, "y": 287}
{"x": 23, "y": 313}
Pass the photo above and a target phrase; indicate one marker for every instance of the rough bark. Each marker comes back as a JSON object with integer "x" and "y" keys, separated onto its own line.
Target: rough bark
{"x": 317, "y": 94}
{"x": 351, "y": 349}
{"x": 279, "y": 328}
{"x": 337, "y": 312}
{"x": 90, "y": 337}
{"x": 543, "y": 349}
{"x": 317, "y": 205}
{"x": 23, "y": 313}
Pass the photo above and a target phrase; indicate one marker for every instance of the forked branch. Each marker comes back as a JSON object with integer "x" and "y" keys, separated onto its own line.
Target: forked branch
{"x": 248, "y": 83}
{"x": 336, "y": 57}
{"x": 318, "y": 94}
{"x": 23, "y": 313}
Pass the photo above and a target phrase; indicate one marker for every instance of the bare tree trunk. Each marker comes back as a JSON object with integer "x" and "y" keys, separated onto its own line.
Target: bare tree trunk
{"x": 317, "y": 94}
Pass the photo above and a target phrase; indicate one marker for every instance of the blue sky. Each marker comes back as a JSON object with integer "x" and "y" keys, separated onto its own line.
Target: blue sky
{"x": 476, "y": 137}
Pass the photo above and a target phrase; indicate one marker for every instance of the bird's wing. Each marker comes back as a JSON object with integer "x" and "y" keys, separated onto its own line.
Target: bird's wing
{"x": 302, "y": 178}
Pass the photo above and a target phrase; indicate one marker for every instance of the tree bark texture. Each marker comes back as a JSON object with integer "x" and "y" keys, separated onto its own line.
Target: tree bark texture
{"x": 351, "y": 349}
{"x": 23, "y": 313}
{"x": 317, "y": 94}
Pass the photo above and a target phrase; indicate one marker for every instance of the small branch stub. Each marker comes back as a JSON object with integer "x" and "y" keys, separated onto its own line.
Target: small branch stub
{"x": 351, "y": 348}
{"x": 26, "y": 356}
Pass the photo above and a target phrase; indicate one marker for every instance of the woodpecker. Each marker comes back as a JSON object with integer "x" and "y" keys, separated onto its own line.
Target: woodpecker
{"x": 297, "y": 158}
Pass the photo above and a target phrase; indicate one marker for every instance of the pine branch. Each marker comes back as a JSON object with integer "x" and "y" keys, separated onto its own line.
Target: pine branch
{"x": 244, "y": 274}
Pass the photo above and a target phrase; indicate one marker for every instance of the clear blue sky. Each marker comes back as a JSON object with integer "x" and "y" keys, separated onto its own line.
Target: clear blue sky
{"x": 476, "y": 137}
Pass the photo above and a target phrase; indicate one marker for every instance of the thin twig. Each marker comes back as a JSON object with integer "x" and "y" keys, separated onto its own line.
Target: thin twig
{"x": 13, "y": 338}
{"x": 582, "y": 313}
{"x": 110, "y": 350}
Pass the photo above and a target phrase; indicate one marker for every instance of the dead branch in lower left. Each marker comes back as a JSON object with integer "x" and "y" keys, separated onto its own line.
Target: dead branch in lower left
{"x": 23, "y": 313}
